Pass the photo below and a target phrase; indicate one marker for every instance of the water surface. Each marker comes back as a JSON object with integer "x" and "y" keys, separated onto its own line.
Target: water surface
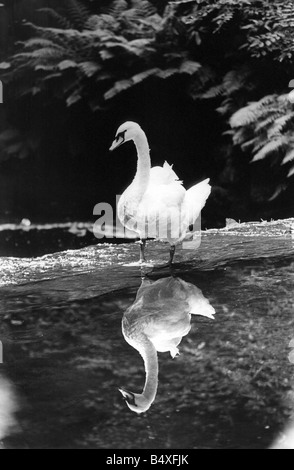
{"x": 65, "y": 356}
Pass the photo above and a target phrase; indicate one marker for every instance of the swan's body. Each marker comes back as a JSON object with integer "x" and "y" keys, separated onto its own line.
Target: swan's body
{"x": 156, "y": 205}
{"x": 157, "y": 322}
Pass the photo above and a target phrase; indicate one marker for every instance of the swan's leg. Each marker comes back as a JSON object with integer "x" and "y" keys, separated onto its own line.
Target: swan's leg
{"x": 142, "y": 251}
{"x": 172, "y": 254}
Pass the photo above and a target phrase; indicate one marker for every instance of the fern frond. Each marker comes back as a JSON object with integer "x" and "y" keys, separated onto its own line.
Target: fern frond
{"x": 38, "y": 42}
{"x": 190, "y": 67}
{"x": 239, "y": 136}
{"x": 67, "y": 64}
{"x": 227, "y": 107}
{"x": 78, "y": 13}
{"x": 144, "y": 8}
{"x": 291, "y": 173}
{"x": 280, "y": 189}
{"x": 214, "y": 92}
{"x": 251, "y": 113}
{"x": 60, "y": 20}
{"x": 74, "y": 98}
{"x": 46, "y": 53}
{"x": 124, "y": 85}
{"x": 261, "y": 141}
{"x": 248, "y": 145}
{"x": 271, "y": 148}
{"x": 289, "y": 157}
{"x": 89, "y": 68}
{"x": 234, "y": 80}
{"x": 245, "y": 116}
{"x": 269, "y": 118}
{"x": 168, "y": 73}
{"x": 102, "y": 22}
{"x": 281, "y": 123}
{"x": 117, "y": 8}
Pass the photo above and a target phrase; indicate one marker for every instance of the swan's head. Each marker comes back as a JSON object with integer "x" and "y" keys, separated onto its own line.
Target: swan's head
{"x": 128, "y": 131}
{"x": 137, "y": 403}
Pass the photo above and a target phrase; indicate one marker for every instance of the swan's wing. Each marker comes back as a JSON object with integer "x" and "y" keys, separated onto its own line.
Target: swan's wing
{"x": 195, "y": 200}
{"x": 169, "y": 323}
{"x": 170, "y": 173}
{"x": 163, "y": 175}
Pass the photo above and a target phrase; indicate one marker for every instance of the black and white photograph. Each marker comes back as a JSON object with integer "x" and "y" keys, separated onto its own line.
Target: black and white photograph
{"x": 147, "y": 227}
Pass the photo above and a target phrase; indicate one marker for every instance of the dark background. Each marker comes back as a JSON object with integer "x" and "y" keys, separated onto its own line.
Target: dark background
{"x": 71, "y": 170}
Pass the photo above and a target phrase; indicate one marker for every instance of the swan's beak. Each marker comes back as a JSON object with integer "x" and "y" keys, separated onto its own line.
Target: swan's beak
{"x": 205, "y": 311}
{"x": 123, "y": 392}
{"x": 117, "y": 143}
{"x": 126, "y": 395}
{"x": 209, "y": 315}
{"x": 129, "y": 397}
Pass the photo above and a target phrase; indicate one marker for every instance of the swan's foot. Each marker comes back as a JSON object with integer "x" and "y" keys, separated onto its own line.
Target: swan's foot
{"x": 175, "y": 353}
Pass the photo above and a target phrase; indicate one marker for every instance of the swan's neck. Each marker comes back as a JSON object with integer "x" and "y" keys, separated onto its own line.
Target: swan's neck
{"x": 149, "y": 355}
{"x": 142, "y": 177}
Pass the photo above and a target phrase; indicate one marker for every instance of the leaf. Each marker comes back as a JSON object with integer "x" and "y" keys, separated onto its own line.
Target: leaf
{"x": 73, "y": 99}
{"x": 38, "y": 42}
{"x": 280, "y": 189}
{"x": 214, "y": 92}
{"x": 165, "y": 74}
{"x": 61, "y": 20}
{"x": 46, "y": 68}
{"x": 281, "y": 122}
{"x": 90, "y": 68}
{"x": 67, "y": 64}
{"x": 140, "y": 43}
{"x": 270, "y": 118}
{"x": 78, "y": 13}
{"x": 190, "y": 67}
{"x": 289, "y": 157}
{"x": 124, "y": 85}
{"x": 270, "y": 148}
{"x": 5, "y": 65}
{"x": 244, "y": 116}
{"x": 251, "y": 113}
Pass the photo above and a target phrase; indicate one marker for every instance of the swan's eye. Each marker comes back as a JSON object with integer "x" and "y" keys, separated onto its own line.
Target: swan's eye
{"x": 121, "y": 135}
{"x": 131, "y": 399}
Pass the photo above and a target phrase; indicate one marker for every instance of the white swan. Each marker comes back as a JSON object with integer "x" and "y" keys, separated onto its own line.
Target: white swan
{"x": 156, "y": 205}
{"x": 157, "y": 321}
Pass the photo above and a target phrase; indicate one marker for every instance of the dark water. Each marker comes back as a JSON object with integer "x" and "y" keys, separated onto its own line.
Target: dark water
{"x": 65, "y": 356}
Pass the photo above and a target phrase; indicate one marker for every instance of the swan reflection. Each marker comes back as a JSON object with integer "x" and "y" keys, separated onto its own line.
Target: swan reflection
{"x": 286, "y": 440}
{"x": 8, "y": 409}
{"x": 157, "y": 321}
